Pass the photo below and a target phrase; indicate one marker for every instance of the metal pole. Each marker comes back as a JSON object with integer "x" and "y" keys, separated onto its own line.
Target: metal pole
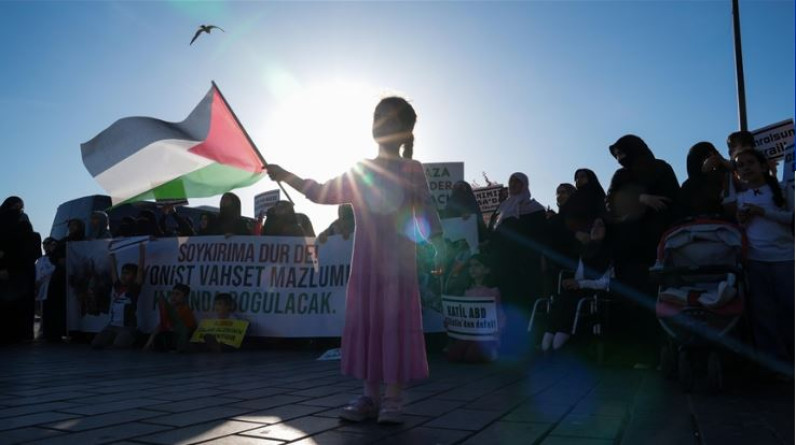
{"x": 736, "y": 28}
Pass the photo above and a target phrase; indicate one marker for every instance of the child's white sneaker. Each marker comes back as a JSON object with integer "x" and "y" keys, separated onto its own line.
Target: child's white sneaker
{"x": 359, "y": 409}
{"x": 391, "y": 411}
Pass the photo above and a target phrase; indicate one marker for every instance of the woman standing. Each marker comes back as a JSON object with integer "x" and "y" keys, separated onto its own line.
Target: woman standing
{"x": 516, "y": 248}
{"x": 382, "y": 338}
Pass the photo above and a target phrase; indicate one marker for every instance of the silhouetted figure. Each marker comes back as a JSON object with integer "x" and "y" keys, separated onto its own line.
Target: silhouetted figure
{"x": 229, "y": 220}
{"x": 382, "y": 338}
{"x": 640, "y": 208}
{"x": 19, "y": 249}
{"x": 54, "y": 310}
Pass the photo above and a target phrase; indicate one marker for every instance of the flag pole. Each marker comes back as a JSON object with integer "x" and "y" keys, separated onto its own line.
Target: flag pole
{"x": 256, "y": 150}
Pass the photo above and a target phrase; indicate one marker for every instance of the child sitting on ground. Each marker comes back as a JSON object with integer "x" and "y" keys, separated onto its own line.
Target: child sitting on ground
{"x": 176, "y": 324}
{"x": 224, "y": 307}
{"x": 475, "y": 351}
{"x": 121, "y": 330}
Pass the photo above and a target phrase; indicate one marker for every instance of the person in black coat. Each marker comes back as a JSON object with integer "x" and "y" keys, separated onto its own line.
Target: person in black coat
{"x": 640, "y": 206}
{"x": 54, "y": 309}
{"x": 517, "y": 244}
{"x": 229, "y": 220}
{"x": 19, "y": 250}
{"x": 702, "y": 193}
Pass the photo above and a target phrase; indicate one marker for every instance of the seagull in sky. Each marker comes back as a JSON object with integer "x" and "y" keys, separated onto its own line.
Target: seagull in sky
{"x": 204, "y": 28}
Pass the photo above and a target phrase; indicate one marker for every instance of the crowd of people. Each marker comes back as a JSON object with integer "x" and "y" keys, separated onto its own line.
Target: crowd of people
{"x": 606, "y": 240}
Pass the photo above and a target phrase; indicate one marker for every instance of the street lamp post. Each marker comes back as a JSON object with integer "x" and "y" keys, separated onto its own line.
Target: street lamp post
{"x": 736, "y": 27}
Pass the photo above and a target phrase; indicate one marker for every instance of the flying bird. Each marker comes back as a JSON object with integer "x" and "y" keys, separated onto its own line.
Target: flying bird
{"x": 204, "y": 28}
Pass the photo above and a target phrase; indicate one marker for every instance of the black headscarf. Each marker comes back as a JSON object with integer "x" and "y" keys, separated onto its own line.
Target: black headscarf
{"x": 586, "y": 204}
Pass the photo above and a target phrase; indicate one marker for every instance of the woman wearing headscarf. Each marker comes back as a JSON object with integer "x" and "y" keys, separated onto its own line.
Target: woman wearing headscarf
{"x": 463, "y": 204}
{"x": 702, "y": 193}
{"x": 641, "y": 206}
{"x": 282, "y": 220}
{"x": 98, "y": 226}
{"x": 587, "y": 203}
{"x": 54, "y": 309}
{"x": 516, "y": 248}
{"x": 229, "y": 220}
{"x": 563, "y": 248}
{"x": 17, "y": 272}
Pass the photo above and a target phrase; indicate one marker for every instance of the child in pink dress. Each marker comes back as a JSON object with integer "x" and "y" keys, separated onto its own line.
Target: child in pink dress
{"x": 382, "y": 339}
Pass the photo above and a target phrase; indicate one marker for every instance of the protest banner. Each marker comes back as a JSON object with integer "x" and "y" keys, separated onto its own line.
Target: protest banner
{"x": 774, "y": 139}
{"x": 284, "y": 286}
{"x": 488, "y": 198}
{"x": 264, "y": 201}
{"x": 441, "y": 176}
{"x": 471, "y": 318}
{"x": 228, "y": 331}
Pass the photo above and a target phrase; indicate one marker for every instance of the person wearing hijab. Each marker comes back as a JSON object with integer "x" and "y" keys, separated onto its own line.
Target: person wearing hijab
{"x": 640, "y": 206}
{"x": 516, "y": 248}
{"x": 17, "y": 272}
{"x": 54, "y": 308}
{"x": 282, "y": 220}
{"x": 703, "y": 192}
{"x": 229, "y": 220}
{"x": 587, "y": 203}
{"x": 98, "y": 226}
{"x": 563, "y": 247}
{"x": 462, "y": 204}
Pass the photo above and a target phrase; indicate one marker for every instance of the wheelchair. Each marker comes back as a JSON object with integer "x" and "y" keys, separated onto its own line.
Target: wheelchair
{"x": 591, "y": 314}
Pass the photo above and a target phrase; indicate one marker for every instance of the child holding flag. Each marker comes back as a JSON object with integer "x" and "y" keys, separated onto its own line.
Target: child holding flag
{"x": 382, "y": 340}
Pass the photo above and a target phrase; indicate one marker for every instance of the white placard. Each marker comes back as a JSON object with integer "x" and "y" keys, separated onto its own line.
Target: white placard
{"x": 470, "y": 318}
{"x": 774, "y": 139}
{"x": 264, "y": 201}
{"x": 441, "y": 176}
{"x": 488, "y": 198}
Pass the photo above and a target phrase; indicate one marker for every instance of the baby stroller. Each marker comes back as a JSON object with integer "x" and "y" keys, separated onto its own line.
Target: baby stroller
{"x": 701, "y": 295}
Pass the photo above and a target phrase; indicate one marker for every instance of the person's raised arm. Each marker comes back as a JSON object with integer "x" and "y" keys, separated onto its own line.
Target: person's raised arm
{"x": 339, "y": 190}
{"x": 279, "y": 174}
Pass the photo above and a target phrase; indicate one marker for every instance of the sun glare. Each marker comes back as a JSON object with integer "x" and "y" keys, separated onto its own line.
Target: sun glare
{"x": 320, "y": 131}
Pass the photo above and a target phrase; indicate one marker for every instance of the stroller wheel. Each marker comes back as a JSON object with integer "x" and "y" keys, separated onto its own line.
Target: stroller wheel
{"x": 715, "y": 377}
{"x": 668, "y": 361}
{"x": 685, "y": 371}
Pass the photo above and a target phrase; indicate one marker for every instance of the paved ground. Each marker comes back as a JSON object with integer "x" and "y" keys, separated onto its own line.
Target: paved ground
{"x": 68, "y": 394}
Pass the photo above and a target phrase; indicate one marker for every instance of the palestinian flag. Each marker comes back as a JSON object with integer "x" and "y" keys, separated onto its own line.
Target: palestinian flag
{"x": 207, "y": 154}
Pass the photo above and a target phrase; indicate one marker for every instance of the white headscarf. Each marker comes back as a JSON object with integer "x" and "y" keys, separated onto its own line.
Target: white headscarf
{"x": 519, "y": 204}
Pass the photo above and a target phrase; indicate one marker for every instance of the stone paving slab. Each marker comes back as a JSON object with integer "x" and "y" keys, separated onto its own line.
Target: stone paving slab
{"x": 69, "y": 394}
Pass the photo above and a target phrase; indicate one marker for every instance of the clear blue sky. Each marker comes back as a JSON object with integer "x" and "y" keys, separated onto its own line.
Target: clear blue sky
{"x": 538, "y": 87}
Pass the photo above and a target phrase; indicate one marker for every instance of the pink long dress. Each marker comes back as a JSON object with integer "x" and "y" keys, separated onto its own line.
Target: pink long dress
{"x": 383, "y": 334}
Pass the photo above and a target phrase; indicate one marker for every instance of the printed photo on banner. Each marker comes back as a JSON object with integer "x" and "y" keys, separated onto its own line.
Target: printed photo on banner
{"x": 441, "y": 176}
{"x": 470, "y": 318}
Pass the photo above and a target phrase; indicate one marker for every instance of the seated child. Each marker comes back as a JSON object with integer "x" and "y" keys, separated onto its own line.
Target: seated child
{"x": 121, "y": 330}
{"x": 176, "y": 324}
{"x": 224, "y": 307}
{"x": 474, "y": 351}
{"x": 593, "y": 273}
